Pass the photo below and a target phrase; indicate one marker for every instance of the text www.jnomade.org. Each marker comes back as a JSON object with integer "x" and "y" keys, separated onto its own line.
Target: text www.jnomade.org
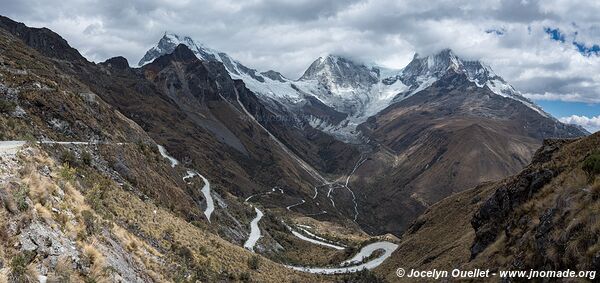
{"x": 487, "y": 273}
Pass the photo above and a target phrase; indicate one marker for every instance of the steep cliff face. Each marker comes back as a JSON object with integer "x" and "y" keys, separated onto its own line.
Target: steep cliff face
{"x": 544, "y": 217}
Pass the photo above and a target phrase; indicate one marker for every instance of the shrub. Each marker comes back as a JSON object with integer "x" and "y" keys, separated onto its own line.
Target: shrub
{"x": 63, "y": 270}
{"x": 40, "y": 189}
{"x": 69, "y": 158}
{"x": 203, "y": 251}
{"x": 95, "y": 196}
{"x": 245, "y": 277}
{"x": 18, "y": 266}
{"x": 92, "y": 258}
{"x": 183, "y": 252}
{"x": 254, "y": 262}
{"x": 144, "y": 148}
{"x": 67, "y": 172}
{"x": 21, "y": 197}
{"x": 90, "y": 222}
{"x": 7, "y": 106}
{"x": 86, "y": 157}
{"x": 591, "y": 164}
{"x": 180, "y": 274}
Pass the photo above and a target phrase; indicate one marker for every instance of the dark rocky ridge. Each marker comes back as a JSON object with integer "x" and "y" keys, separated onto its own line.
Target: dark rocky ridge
{"x": 44, "y": 40}
{"x": 118, "y": 62}
{"x": 488, "y": 221}
{"x": 494, "y": 212}
{"x": 276, "y": 76}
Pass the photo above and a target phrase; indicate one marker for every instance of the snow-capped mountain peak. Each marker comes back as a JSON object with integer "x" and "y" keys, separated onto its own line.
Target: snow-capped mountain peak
{"x": 425, "y": 70}
{"x": 336, "y": 71}
{"x": 353, "y": 88}
{"x": 422, "y": 72}
{"x": 170, "y": 40}
{"x": 166, "y": 45}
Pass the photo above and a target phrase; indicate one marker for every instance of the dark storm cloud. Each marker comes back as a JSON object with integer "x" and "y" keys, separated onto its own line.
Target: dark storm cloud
{"x": 522, "y": 11}
{"x": 297, "y": 10}
{"x": 558, "y": 85}
{"x": 288, "y": 35}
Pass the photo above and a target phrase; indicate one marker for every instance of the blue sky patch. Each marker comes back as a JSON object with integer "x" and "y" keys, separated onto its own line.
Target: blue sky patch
{"x": 564, "y": 108}
{"x": 555, "y": 34}
{"x": 495, "y": 31}
{"x": 587, "y": 51}
{"x": 582, "y": 47}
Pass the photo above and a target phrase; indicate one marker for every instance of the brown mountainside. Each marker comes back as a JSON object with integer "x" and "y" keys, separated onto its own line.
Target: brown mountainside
{"x": 449, "y": 137}
{"x": 543, "y": 218}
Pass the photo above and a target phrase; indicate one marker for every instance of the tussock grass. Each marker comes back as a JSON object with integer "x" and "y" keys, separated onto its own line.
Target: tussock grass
{"x": 43, "y": 212}
{"x": 40, "y": 188}
{"x": 63, "y": 271}
{"x": 162, "y": 246}
{"x": 98, "y": 270}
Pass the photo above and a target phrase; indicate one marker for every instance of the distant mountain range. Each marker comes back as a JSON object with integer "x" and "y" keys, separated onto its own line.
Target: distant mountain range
{"x": 343, "y": 86}
{"x": 194, "y": 166}
{"x": 433, "y": 128}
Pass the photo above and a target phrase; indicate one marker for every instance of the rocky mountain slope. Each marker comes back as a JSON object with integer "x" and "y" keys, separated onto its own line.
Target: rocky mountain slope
{"x": 334, "y": 94}
{"x": 448, "y": 137}
{"x": 431, "y": 129}
{"x": 99, "y": 205}
{"x": 157, "y": 173}
{"x": 293, "y": 170}
{"x": 543, "y": 218}
{"x": 202, "y": 99}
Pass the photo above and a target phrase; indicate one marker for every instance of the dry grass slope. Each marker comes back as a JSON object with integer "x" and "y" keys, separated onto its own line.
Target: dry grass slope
{"x": 554, "y": 228}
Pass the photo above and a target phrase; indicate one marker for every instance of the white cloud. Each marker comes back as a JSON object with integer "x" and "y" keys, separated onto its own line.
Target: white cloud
{"x": 567, "y": 97}
{"x": 287, "y": 35}
{"x": 592, "y": 124}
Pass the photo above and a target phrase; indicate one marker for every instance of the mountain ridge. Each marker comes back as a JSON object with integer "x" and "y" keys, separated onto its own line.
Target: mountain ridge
{"x": 150, "y": 153}
{"x": 419, "y": 129}
{"x": 450, "y": 136}
{"x": 357, "y": 89}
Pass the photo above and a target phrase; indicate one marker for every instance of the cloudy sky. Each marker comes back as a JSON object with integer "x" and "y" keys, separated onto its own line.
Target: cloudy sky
{"x": 549, "y": 50}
